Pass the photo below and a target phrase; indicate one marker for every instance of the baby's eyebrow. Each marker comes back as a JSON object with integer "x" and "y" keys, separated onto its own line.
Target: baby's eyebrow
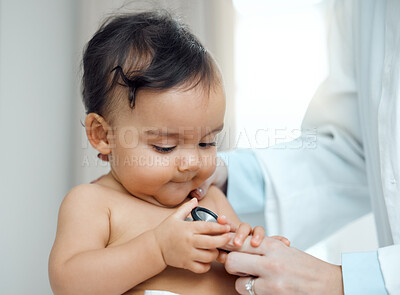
{"x": 218, "y": 129}
{"x": 163, "y": 132}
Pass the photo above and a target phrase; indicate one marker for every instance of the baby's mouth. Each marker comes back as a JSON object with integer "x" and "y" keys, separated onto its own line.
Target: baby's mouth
{"x": 183, "y": 179}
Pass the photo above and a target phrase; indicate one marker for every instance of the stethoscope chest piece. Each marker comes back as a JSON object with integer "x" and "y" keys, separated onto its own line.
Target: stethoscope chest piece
{"x": 203, "y": 214}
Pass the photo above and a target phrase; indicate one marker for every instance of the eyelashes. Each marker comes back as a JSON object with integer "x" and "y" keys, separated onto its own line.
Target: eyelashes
{"x": 208, "y": 144}
{"x": 165, "y": 150}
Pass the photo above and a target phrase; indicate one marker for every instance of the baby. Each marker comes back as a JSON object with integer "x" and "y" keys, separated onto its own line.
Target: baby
{"x": 155, "y": 103}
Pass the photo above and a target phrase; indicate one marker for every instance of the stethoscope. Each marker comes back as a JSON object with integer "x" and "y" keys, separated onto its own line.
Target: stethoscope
{"x": 202, "y": 214}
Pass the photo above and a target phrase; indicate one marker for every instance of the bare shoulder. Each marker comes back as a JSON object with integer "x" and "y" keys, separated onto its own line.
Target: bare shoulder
{"x": 83, "y": 220}
{"x": 84, "y": 193}
{"x": 83, "y": 205}
{"x": 84, "y": 196}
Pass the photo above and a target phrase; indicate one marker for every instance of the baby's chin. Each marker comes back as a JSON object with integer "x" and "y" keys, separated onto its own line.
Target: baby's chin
{"x": 175, "y": 196}
{"x": 173, "y": 203}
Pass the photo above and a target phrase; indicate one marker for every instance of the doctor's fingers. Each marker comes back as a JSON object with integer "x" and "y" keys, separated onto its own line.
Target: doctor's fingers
{"x": 210, "y": 242}
{"x": 282, "y": 239}
{"x": 240, "y": 286}
{"x": 261, "y": 286}
{"x": 242, "y": 263}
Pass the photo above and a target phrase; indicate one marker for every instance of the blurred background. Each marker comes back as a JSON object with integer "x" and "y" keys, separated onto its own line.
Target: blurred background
{"x": 272, "y": 55}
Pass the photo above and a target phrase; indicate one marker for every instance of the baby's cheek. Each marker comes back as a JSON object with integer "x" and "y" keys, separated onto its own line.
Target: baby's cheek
{"x": 157, "y": 173}
{"x": 207, "y": 169}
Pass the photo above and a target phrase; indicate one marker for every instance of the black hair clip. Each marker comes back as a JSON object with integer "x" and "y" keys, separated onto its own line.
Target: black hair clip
{"x": 128, "y": 83}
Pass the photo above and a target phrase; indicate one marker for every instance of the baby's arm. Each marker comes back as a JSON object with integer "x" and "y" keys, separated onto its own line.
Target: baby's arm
{"x": 79, "y": 262}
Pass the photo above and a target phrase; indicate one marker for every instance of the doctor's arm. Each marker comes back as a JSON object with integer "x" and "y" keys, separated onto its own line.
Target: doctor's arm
{"x": 316, "y": 184}
{"x": 284, "y": 270}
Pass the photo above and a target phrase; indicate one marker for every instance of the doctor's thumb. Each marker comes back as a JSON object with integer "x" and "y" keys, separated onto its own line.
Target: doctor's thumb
{"x": 185, "y": 209}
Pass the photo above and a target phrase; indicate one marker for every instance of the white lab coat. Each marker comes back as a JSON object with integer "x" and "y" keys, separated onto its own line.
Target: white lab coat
{"x": 317, "y": 184}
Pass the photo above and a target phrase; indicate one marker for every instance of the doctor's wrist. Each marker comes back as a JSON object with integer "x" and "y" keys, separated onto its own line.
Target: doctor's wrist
{"x": 335, "y": 280}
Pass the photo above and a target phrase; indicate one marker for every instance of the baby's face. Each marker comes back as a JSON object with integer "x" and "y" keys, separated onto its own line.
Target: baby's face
{"x": 165, "y": 147}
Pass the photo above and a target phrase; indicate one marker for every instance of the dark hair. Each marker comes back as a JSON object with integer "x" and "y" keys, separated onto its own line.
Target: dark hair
{"x": 144, "y": 50}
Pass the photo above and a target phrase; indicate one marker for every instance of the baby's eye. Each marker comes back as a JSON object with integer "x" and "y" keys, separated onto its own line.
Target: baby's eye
{"x": 207, "y": 144}
{"x": 163, "y": 149}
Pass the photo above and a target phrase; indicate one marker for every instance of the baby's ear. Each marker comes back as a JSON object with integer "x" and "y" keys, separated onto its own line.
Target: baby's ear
{"x": 96, "y": 131}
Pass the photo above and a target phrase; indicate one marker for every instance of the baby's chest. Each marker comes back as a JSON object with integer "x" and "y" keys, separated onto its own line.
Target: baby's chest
{"x": 130, "y": 219}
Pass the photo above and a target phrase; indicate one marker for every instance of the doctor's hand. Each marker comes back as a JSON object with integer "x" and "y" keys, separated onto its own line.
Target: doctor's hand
{"x": 218, "y": 178}
{"x": 281, "y": 270}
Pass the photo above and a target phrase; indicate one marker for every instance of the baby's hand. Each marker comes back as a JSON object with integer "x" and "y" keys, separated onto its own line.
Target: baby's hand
{"x": 243, "y": 231}
{"x": 190, "y": 245}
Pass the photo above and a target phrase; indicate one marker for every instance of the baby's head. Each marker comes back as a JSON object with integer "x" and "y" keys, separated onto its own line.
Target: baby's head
{"x": 155, "y": 104}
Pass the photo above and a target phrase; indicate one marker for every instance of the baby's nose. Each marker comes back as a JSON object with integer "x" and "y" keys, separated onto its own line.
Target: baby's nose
{"x": 190, "y": 162}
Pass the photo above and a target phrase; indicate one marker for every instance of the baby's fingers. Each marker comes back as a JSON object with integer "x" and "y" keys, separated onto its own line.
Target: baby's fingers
{"x": 199, "y": 267}
{"x": 210, "y": 242}
{"x": 258, "y": 236}
{"x": 184, "y": 210}
{"x": 241, "y": 234}
{"x": 209, "y": 228}
{"x": 224, "y": 220}
{"x": 206, "y": 256}
{"x": 222, "y": 256}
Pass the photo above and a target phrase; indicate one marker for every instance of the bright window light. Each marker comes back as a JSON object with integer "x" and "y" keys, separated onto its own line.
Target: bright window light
{"x": 280, "y": 59}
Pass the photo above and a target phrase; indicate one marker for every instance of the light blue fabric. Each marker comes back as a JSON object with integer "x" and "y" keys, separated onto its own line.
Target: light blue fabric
{"x": 362, "y": 274}
{"x": 246, "y": 189}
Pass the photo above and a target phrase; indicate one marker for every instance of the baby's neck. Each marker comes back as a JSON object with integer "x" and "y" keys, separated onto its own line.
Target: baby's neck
{"x": 111, "y": 182}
